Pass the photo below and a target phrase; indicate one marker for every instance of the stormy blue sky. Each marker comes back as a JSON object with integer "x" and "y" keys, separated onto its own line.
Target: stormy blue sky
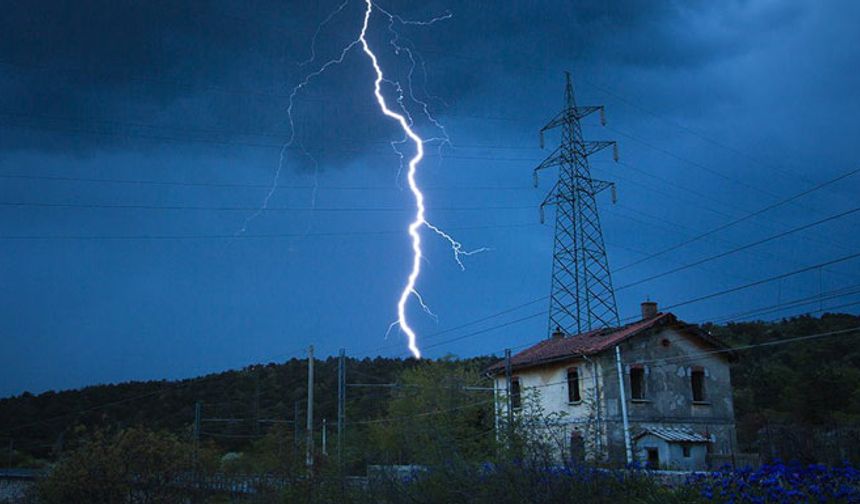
{"x": 137, "y": 137}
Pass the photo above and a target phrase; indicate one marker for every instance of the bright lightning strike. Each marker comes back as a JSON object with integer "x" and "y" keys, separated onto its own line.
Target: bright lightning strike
{"x": 409, "y": 288}
{"x": 406, "y": 124}
{"x": 405, "y": 121}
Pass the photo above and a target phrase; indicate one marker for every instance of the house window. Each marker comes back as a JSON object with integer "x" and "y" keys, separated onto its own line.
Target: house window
{"x": 697, "y": 382}
{"x": 637, "y": 382}
{"x": 573, "y": 394}
{"x": 686, "y": 449}
{"x": 516, "y": 400}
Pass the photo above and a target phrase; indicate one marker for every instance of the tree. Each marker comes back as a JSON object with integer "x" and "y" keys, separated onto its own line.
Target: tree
{"x": 133, "y": 465}
{"x": 433, "y": 417}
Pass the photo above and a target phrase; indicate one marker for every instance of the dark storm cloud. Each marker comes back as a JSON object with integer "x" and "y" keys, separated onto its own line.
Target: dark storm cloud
{"x": 125, "y": 72}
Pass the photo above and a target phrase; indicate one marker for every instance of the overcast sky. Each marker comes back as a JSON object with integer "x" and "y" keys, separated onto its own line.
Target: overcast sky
{"x": 719, "y": 108}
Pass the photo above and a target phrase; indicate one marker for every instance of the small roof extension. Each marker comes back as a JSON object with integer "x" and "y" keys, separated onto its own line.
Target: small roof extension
{"x": 674, "y": 435}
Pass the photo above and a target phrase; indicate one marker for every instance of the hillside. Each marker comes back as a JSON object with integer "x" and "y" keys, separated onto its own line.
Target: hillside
{"x": 801, "y": 386}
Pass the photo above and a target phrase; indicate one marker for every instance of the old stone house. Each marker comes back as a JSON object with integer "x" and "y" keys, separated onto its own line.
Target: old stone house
{"x": 677, "y": 409}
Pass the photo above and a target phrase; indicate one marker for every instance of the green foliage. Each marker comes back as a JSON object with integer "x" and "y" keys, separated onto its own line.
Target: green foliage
{"x": 809, "y": 384}
{"x": 514, "y": 481}
{"x": 133, "y": 465}
{"x": 433, "y": 416}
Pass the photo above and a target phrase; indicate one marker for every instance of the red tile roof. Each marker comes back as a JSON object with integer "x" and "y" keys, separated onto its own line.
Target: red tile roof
{"x": 594, "y": 342}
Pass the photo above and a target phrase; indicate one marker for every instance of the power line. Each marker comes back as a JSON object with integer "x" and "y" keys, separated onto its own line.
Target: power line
{"x": 424, "y": 414}
{"x": 761, "y": 282}
{"x": 237, "y": 143}
{"x": 672, "y": 227}
{"x": 743, "y": 247}
{"x": 229, "y": 185}
{"x": 241, "y": 236}
{"x": 682, "y": 303}
{"x": 741, "y": 219}
{"x": 468, "y": 324}
{"x": 34, "y": 204}
{"x": 818, "y": 298}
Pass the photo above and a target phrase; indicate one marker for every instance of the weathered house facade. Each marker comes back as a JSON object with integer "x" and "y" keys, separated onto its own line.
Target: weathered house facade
{"x": 677, "y": 409}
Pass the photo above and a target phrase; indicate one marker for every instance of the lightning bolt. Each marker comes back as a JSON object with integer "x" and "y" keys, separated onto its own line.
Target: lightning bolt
{"x": 404, "y": 119}
{"x": 405, "y": 122}
{"x": 415, "y": 225}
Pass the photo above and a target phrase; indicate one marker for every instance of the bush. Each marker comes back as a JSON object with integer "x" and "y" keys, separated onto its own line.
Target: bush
{"x": 133, "y": 465}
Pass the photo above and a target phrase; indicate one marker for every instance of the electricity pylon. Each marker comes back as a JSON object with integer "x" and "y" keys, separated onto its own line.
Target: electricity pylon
{"x": 582, "y": 297}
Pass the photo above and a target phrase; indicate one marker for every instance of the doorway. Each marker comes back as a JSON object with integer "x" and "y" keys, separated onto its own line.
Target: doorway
{"x": 653, "y": 458}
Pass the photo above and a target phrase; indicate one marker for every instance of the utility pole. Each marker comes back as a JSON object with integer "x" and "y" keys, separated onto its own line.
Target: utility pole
{"x": 581, "y": 295}
{"x": 628, "y": 449}
{"x": 341, "y": 403}
{"x": 510, "y": 410}
{"x": 197, "y": 410}
{"x": 197, "y": 418}
{"x": 324, "y": 434}
{"x": 257, "y": 402}
{"x": 296, "y": 430}
{"x": 11, "y": 451}
{"x": 309, "y": 449}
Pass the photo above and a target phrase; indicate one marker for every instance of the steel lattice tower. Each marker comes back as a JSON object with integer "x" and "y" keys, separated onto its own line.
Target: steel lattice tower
{"x": 582, "y": 297}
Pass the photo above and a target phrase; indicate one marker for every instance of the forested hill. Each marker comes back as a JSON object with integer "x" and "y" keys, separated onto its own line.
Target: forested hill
{"x": 42, "y": 424}
{"x": 811, "y": 382}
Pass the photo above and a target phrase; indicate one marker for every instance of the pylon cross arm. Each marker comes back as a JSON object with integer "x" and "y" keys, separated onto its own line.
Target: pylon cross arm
{"x": 553, "y": 159}
{"x": 555, "y": 122}
{"x": 601, "y": 185}
{"x": 578, "y": 113}
{"x": 590, "y": 148}
{"x": 555, "y": 196}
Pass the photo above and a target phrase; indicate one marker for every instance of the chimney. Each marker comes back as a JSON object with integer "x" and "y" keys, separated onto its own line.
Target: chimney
{"x": 558, "y": 333}
{"x": 649, "y": 310}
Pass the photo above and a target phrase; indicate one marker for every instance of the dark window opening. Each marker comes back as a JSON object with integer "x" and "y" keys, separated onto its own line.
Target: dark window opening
{"x": 637, "y": 383}
{"x": 686, "y": 449}
{"x": 516, "y": 400}
{"x": 697, "y": 381}
{"x": 573, "y": 394}
{"x": 653, "y": 458}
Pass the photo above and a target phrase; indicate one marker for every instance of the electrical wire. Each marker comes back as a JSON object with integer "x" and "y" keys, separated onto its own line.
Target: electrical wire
{"x": 247, "y": 236}
{"x": 35, "y": 204}
{"x": 742, "y": 248}
{"x": 743, "y": 218}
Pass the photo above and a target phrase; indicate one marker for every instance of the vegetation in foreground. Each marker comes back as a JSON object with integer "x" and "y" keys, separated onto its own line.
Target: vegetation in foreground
{"x": 138, "y": 466}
